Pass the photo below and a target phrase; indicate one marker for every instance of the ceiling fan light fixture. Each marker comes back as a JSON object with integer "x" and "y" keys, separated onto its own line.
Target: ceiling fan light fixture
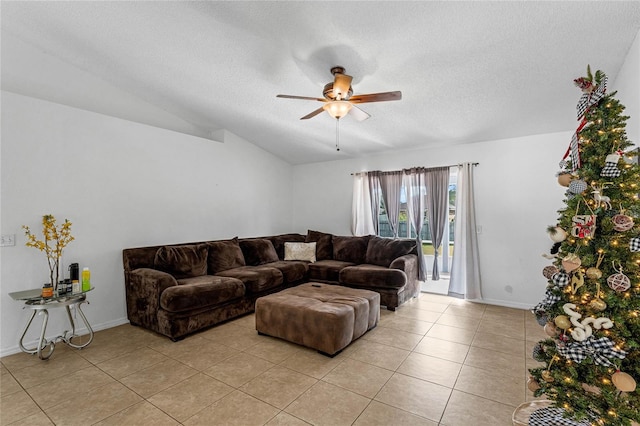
{"x": 337, "y": 109}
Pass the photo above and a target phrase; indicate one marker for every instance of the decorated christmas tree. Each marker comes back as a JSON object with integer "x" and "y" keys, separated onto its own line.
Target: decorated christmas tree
{"x": 591, "y": 307}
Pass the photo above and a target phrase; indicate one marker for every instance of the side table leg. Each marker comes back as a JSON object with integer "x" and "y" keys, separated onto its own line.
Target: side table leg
{"x": 67, "y": 339}
{"x": 73, "y": 324}
{"x": 24, "y": 333}
{"x": 42, "y": 343}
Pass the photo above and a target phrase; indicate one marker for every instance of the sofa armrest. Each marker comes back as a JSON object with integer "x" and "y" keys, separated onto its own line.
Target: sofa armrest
{"x": 405, "y": 263}
{"x": 409, "y": 264}
{"x": 143, "y": 289}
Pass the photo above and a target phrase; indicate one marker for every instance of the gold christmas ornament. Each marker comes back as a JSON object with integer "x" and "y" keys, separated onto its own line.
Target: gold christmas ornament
{"x": 562, "y": 321}
{"x": 598, "y": 305}
{"x": 546, "y": 376}
{"x": 594, "y": 273}
{"x": 571, "y": 262}
{"x": 623, "y": 382}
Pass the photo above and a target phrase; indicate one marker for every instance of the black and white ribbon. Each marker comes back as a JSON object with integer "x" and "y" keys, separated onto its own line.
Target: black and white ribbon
{"x": 600, "y": 350}
{"x": 575, "y": 153}
{"x": 561, "y": 279}
{"x": 610, "y": 170}
{"x": 552, "y": 416}
{"x": 549, "y": 300}
{"x": 589, "y": 99}
{"x": 634, "y": 244}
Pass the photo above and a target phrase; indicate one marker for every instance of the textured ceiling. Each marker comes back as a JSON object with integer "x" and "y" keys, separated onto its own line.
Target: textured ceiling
{"x": 468, "y": 71}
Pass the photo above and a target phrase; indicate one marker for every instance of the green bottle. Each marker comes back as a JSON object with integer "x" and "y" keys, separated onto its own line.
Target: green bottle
{"x": 86, "y": 279}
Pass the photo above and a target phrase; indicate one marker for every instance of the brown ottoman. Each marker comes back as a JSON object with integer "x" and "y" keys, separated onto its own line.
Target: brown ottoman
{"x": 320, "y": 316}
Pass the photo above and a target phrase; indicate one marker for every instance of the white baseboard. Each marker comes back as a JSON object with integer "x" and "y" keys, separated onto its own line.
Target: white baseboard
{"x": 80, "y": 330}
{"x": 505, "y": 303}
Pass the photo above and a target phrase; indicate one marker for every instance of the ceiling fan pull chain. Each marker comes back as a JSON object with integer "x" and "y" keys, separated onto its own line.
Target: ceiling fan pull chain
{"x": 337, "y": 134}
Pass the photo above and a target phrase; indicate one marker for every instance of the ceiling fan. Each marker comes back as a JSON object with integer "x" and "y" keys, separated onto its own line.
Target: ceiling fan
{"x": 339, "y": 99}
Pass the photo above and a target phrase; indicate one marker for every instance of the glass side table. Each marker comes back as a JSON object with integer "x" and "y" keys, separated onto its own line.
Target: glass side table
{"x": 33, "y": 300}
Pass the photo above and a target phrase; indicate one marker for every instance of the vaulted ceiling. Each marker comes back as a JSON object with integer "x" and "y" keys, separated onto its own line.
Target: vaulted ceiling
{"x": 468, "y": 71}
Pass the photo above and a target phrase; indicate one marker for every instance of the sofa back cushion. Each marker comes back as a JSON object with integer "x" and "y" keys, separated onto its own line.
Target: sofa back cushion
{"x": 383, "y": 251}
{"x": 224, "y": 255}
{"x": 279, "y": 240}
{"x": 258, "y": 251}
{"x": 183, "y": 261}
{"x": 139, "y": 257}
{"x": 324, "y": 244}
{"x": 350, "y": 249}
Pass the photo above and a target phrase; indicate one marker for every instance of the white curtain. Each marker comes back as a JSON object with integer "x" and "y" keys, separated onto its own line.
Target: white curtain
{"x": 437, "y": 181}
{"x": 361, "y": 214}
{"x": 414, "y": 182}
{"x": 465, "y": 270}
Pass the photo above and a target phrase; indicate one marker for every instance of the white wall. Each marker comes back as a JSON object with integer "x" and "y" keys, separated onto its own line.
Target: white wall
{"x": 628, "y": 86}
{"x": 517, "y": 197}
{"x": 122, "y": 184}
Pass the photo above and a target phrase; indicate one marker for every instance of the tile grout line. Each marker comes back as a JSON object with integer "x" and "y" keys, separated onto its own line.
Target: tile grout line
{"x": 409, "y": 352}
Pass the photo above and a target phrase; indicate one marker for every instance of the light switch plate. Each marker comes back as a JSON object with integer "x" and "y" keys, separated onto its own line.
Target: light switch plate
{"x": 8, "y": 240}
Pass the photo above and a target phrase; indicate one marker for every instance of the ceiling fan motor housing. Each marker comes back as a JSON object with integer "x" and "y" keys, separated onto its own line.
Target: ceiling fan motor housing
{"x": 330, "y": 95}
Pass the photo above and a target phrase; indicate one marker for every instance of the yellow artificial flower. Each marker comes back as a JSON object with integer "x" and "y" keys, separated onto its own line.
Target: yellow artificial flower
{"x": 55, "y": 240}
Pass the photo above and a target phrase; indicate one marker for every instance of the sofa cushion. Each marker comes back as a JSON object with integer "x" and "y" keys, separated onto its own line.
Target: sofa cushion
{"x": 140, "y": 257}
{"x": 224, "y": 255}
{"x": 383, "y": 251}
{"x": 300, "y": 251}
{"x": 372, "y": 276}
{"x": 279, "y": 240}
{"x": 350, "y": 249}
{"x": 200, "y": 292}
{"x": 292, "y": 270}
{"x": 182, "y": 261}
{"x": 256, "y": 278}
{"x": 258, "y": 251}
{"x": 324, "y": 246}
{"x": 327, "y": 270}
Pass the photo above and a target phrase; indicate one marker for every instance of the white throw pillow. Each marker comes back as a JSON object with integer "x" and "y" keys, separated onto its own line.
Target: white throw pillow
{"x": 300, "y": 251}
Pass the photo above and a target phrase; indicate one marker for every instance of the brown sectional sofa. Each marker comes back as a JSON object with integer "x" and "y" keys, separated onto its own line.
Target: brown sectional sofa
{"x": 178, "y": 289}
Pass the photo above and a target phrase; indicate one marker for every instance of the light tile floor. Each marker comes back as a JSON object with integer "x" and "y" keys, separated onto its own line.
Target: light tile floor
{"x": 437, "y": 360}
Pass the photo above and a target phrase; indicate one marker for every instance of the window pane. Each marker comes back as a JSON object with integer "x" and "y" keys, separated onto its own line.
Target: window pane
{"x": 384, "y": 228}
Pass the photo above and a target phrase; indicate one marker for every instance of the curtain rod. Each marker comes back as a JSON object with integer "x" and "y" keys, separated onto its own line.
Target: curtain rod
{"x": 452, "y": 165}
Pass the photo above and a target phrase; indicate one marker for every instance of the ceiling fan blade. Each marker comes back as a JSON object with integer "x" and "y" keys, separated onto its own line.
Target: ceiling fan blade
{"x": 301, "y": 97}
{"x": 376, "y": 97}
{"x": 358, "y": 114}
{"x": 312, "y": 114}
{"x": 341, "y": 85}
